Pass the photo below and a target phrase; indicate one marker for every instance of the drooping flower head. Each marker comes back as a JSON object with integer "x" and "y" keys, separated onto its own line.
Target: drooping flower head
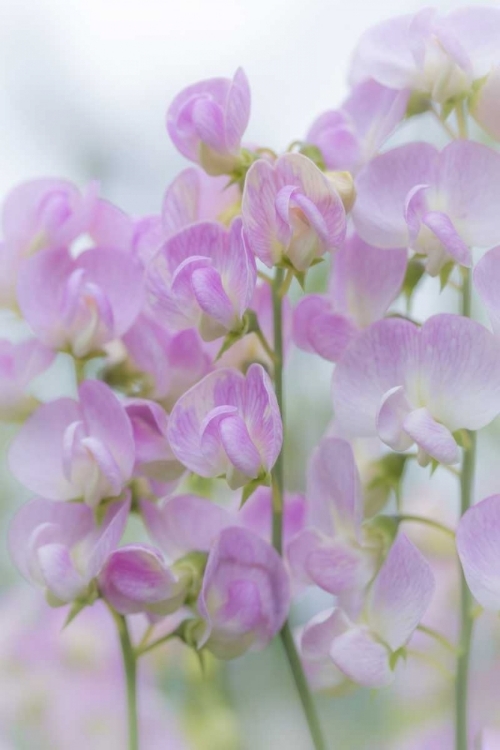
{"x": 228, "y": 424}
{"x": 70, "y": 449}
{"x": 206, "y": 122}
{"x": 291, "y": 212}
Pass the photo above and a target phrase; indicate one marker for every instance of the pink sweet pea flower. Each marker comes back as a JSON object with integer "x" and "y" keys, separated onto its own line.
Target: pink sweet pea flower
{"x": 440, "y": 204}
{"x": 331, "y": 551}
{"x": 206, "y": 122}
{"x": 136, "y": 579}
{"x": 418, "y": 385}
{"x": 257, "y": 514}
{"x": 228, "y": 424}
{"x": 364, "y": 282}
{"x": 80, "y": 303}
{"x": 20, "y": 364}
{"x": 153, "y": 456}
{"x": 365, "y": 651}
{"x": 291, "y": 212}
{"x": 168, "y": 362}
{"x": 478, "y": 540}
{"x": 437, "y": 57}
{"x": 352, "y": 135}
{"x": 37, "y": 215}
{"x": 76, "y": 449}
{"x": 60, "y": 547}
{"x": 203, "y": 276}
{"x": 245, "y": 595}
{"x": 195, "y": 196}
{"x": 485, "y": 104}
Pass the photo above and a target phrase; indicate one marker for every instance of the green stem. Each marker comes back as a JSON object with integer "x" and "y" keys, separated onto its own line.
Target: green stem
{"x": 302, "y": 688}
{"x": 130, "y": 666}
{"x": 466, "y": 620}
{"x": 279, "y": 289}
{"x": 427, "y": 521}
{"x": 438, "y": 637}
{"x": 278, "y": 475}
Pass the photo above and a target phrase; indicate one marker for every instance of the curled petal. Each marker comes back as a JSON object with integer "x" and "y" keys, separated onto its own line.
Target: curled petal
{"x": 478, "y": 544}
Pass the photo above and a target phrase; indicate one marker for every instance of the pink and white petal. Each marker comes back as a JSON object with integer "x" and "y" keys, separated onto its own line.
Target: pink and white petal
{"x": 31, "y": 359}
{"x": 477, "y": 28}
{"x": 262, "y": 415}
{"x": 362, "y": 658}
{"x": 468, "y": 179}
{"x": 120, "y": 276}
{"x": 332, "y": 334}
{"x": 237, "y": 267}
{"x": 40, "y": 289}
{"x": 487, "y": 283}
{"x": 440, "y": 224}
{"x": 334, "y": 135}
{"x": 69, "y": 523}
{"x": 391, "y": 416}
{"x": 400, "y": 594}
{"x": 107, "y": 537}
{"x": 212, "y": 298}
{"x": 237, "y": 110}
{"x": 478, "y": 545}
{"x": 239, "y": 447}
{"x": 486, "y": 104}
{"x": 112, "y": 227}
{"x": 376, "y": 361}
{"x": 434, "y": 438}
{"x": 459, "y": 372}
{"x": 338, "y": 568}
{"x": 185, "y": 523}
{"x": 320, "y": 631}
{"x": 135, "y": 578}
{"x": 334, "y": 489}
{"x": 106, "y": 420}
{"x": 208, "y": 120}
{"x": 36, "y": 453}
{"x": 258, "y": 212}
{"x": 382, "y": 188}
{"x": 384, "y": 54}
{"x": 305, "y": 314}
{"x": 59, "y": 573}
{"x": 256, "y": 514}
{"x": 181, "y": 201}
{"x": 365, "y": 280}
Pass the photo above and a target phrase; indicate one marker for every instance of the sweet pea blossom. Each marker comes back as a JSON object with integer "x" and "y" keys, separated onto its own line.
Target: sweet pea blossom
{"x": 366, "y": 651}
{"x": 291, "y": 212}
{"x": 478, "y": 539}
{"x": 195, "y": 196}
{"x": 206, "y": 122}
{"x": 38, "y": 215}
{"x": 418, "y": 385}
{"x": 228, "y": 424}
{"x": 203, "y": 276}
{"x": 485, "y": 104}
{"x": 350, "y": 136}
{"x": 72, "y": 449}
{"x": 136, "y": 578}
{"x": 439, "y": 204}
{"x": 364, "y": 282}
{"x": 245, "y": 594}
{"x": 60, "y": 547}
{"x": 81, "y": 303}
{"x": 436, "y": 57}
{"x": 331, "y": 550}
{"x": 20, "y": 364}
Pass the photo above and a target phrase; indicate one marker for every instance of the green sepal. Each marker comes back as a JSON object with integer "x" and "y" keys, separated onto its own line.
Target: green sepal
{"x": 83, "y": 601}
{"x": 249, "y": 489}
{"x": 462, "y": 439}
{"x": 396, "y": 656}
{"x": 418, "y": 103}
{"x": 414, "y": 272}
{"x": 445, "y": 273}
{"x": 434, "y": 465}
{"x": 314, "y": 154}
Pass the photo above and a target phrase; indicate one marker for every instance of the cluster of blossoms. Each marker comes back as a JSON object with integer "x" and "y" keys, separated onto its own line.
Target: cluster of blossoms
{"x": 179, "y": 335}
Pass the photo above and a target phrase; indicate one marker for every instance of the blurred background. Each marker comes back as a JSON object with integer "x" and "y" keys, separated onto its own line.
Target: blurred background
{"x": 84, "y": 87}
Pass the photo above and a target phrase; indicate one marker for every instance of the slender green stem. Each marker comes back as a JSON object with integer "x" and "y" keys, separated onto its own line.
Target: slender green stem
{"x": 438, "y": 637}
{"x": 466, "y": 619}
{"x": 427, "y": 521}
{"x": 146, "y": 647}
{"x": 302, "y": 688}
{"x": 130, "y": 666}
{"x": 265, "y": 343}
{"x": 279, "y": 289}
{"x": 278, "y": 475}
